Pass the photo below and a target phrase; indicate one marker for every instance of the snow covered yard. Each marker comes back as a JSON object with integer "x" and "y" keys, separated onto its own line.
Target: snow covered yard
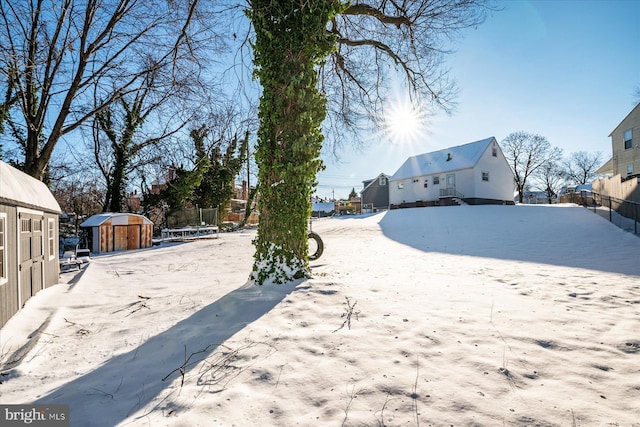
{"x": 471, "y": 315}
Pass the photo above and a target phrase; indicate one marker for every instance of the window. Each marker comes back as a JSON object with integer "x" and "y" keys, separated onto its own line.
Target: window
{"x": 3, "y": 251}
{"x": 485, "y": 176}
{"x": 426, "y": 183}
{"x": 436, "y": 180}
{"x": 25, "y": 225}
{"x": 400, "y": 185}
{"x": 628, "y": 139}
{"x": 630, "y": 169}
{"x": 383, "y": 180}
{"x": 494, "y": 151}
{"x": 51, "y": 223}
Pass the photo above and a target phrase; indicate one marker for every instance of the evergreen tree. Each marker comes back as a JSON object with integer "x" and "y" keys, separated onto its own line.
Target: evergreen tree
{"x": 217, "y": 185}
{"x": 353, "y": 194}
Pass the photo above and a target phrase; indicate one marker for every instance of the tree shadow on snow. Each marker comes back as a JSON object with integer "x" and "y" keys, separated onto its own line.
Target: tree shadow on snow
{"x": 570, "y": 236}
{"x": 125, "y": 383}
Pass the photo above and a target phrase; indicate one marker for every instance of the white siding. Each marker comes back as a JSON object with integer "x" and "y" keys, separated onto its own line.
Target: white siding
{"x": 468, "y": 180}
{"x": 500, "y": 185}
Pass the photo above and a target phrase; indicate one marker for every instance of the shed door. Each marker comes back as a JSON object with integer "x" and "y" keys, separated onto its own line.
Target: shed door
{"x": 31, "y": 255}
{"x": 120, "y": 234}
{"x": 133, "y": 237}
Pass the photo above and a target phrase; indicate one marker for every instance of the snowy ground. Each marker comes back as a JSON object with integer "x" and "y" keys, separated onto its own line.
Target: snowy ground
{"x": 464, "y": 316}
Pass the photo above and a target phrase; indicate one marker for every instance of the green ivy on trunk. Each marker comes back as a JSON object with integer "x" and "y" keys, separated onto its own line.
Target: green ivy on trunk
{"x": 291, "y": 42}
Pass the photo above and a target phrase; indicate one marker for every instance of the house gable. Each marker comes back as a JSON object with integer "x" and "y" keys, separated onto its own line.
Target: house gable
{"x": 625, "y": 145}
{"x": 375, "y": 194}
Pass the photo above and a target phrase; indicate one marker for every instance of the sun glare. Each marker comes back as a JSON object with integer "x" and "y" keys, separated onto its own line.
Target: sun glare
{"x": 404, "y": 121}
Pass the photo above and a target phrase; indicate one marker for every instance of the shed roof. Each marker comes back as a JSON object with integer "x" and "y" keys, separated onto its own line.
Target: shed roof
{"x": 449, "y": 159}
{"x": 118, "y": 218}
{"x": 19, "y": 189}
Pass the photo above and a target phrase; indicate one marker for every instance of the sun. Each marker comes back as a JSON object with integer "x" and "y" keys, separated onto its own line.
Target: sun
{"x": 404, "y": 121}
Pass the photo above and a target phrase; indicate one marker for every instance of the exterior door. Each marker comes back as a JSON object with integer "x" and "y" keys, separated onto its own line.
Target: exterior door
{"x": 133, "y": 237}
{"x": 451, "y": 184}
{"x": 120, "y": 237}
{"x": 31, "y": 257}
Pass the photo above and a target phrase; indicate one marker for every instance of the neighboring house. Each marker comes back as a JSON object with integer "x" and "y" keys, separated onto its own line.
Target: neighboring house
{"x": 605, "y": 170}
{"x": 29, "y": 260}
{"x": 348, "y": 207}
{"x": 108, "y": 232}
{"x": 476, "y": 173}
{"x": 625, "y": 144}
{"x": 535, "y": 197}
{"x": 375, "y": 195}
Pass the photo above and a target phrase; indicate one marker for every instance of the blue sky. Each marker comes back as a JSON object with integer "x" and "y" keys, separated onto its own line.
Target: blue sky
{"x": 564, "y": 69}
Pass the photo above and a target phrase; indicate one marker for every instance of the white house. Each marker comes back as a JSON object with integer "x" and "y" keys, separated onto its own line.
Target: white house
{"x": 476, "y": 173}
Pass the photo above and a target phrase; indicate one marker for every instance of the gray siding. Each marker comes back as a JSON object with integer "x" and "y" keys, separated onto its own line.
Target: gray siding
{"x": 376, "y": 194}
{"x": 9, "y": 303}
{"x": 37, "y": 254}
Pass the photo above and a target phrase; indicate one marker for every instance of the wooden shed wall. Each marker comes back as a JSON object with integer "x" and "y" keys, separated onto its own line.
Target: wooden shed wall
{"x": 106, "y": 237}
{"x": 135, "y": 234}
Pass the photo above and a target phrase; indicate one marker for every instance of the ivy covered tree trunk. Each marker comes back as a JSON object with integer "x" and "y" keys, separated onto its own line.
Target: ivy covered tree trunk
{"x": 291, "y": 42}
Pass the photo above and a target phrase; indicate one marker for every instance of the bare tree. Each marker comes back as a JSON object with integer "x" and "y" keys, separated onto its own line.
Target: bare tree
{"x": 52, "y": 52}
{"x": 550, "y": 177}
{"x": 9, "y": 99}
{"x": 121, "y": 133}
{"x": 581, "y": 167}
{"x": 380, "y": 43}
{"x": 526, "y": 153}
{"x": 319, "y": 59}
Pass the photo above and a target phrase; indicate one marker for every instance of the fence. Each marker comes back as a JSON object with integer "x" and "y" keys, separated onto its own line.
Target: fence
{"x": 624, "y": 208}
{"x": 583, "y": 198}
{"x": 192, "y": 217}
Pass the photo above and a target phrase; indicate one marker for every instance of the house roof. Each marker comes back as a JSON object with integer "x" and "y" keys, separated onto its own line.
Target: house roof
{"x": 606, "y": 168}
{"x": 18, "y": 188}
{"x": 117, "y": 218}
{"x": 625, "y": 118}
{"x": 368, "y": 182}
{"x": 450, "y": 159}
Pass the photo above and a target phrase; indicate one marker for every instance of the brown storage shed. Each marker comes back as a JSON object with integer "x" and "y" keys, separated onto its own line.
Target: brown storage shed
{"x": 110, "y": 232}
{"x": 29, "y": 260}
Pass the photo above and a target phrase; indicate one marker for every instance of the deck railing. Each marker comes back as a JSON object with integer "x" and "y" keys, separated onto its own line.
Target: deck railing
{"x": 450, "y": 192}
